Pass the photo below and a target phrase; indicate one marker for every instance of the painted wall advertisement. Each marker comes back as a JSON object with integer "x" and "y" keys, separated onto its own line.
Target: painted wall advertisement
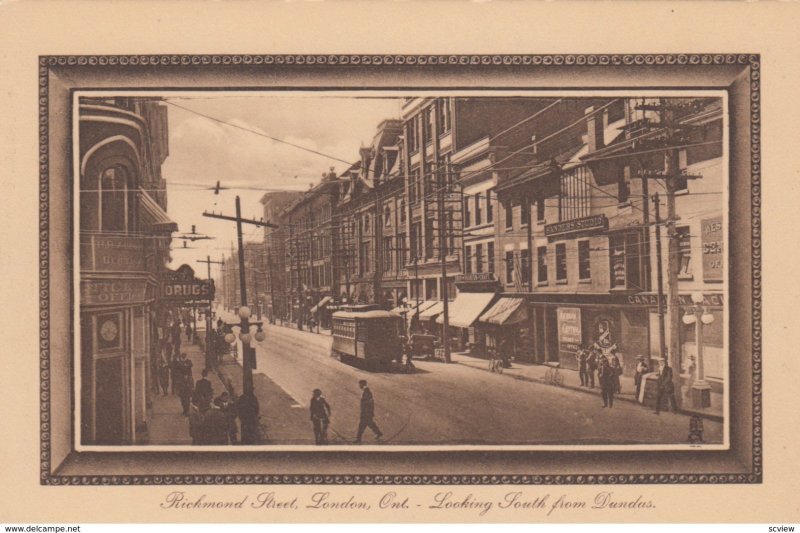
{"x": 569, "y": 329}
{"x": 712, "y": 241}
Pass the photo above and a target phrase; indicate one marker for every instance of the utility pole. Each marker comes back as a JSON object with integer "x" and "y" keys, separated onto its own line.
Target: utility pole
{"x": 249, "y": 421}
{"x": 443, "y": 259}
{"x": 662, "y": 336}
{"x": 209, "y": 357}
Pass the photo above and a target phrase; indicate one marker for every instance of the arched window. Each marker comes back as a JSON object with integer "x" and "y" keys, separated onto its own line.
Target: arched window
{"x": 402, "y": 211}
{"x": 387, "y": 216}
{"x": 115, "y": 205}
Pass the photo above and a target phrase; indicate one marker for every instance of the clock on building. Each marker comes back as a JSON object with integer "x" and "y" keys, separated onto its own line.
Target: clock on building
{"x": 108, "y": 334}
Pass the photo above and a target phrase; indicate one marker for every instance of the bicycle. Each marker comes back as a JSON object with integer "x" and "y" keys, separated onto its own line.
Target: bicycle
{"x": 553, "y": 375}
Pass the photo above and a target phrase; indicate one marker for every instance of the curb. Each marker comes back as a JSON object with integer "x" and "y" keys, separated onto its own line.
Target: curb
{"x": 707, "y": 416}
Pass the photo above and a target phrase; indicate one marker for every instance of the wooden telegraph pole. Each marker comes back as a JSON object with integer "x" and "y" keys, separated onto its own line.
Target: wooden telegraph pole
{"x": 249, "y": 423}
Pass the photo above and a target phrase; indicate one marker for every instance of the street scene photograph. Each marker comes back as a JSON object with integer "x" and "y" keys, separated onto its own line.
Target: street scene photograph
{"x": 367, "y": 271}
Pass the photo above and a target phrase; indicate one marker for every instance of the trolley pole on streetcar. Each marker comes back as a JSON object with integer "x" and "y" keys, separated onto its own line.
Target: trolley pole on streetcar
{"x": 248, "y": 402}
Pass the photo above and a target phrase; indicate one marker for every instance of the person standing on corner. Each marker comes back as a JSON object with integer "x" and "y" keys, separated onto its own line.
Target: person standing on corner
{"x": 591, "y": 365}
{"x": 367, "y": 413}
{"x": 606, "y": 376}
{"x": 583, "y": 369}
{"x": 320, "y": 416}
{"x": 641, "y": 370}
{"x": 666, "y": 387}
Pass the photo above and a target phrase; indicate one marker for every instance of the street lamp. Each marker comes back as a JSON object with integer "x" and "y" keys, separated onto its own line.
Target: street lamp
{"x": 699, "y": 316}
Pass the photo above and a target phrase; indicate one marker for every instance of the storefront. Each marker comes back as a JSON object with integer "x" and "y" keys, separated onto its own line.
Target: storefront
{"x": 506, "y": 322}
{"x": 463, "y": 313}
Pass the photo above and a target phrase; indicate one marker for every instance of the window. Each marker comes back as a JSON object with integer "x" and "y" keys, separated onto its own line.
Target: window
{"x": 427, "y": 125}
{"x": 509, "y": 267}
{"x": 411, "y": 134}
{"x": 490, "y": 256}
{"x": 490, "y": 196}
{"x": 584, "y": 261}
{"x": 540, "y": 210}
{"x": 115, "y": 204}
{"x": 416, "y": 240}
{"x": 525, "y": 259}
{"x": 509, "y": 215}
{"x": 443, "y": 115}
{"x": 387, "y": 254}
{"x": 467, "y": 213}
{"x": 541, "y": 264}
{"x": 478, "y": 217}
{"x": 626, "y": 261}
{"x": 574, "y": 194}
{"x": 623, "y": 186}
{"x": 367, "y": 229}
{"x": 479, "y": 258}
{"x": 525, "y": 212}
{"x": 561, "y": 262}
{"x": 387, "y": 216}
{"x": 428, "y": 238}
{"x": 684, "y": 252}
{"x": 402, "y": 211}
{"x": 402, "y": 252}
{"x": 468, "y": 260}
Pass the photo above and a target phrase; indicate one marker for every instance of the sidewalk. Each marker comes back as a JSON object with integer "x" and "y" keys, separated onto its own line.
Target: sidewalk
{"x": 167, "y": 423}
{"x": 535, "y": 373}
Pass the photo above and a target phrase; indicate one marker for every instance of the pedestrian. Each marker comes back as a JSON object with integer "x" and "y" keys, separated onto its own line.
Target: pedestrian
{"x": 505, "y": 352}
{"x": 176, "y": 337}
{"x": 641, "y": 370}
{"x": 203, "y": 390}
{"x": 248, "y": 411}
{"x": 666, "y": 387}
{"x": 227, "y": 405}
{"x": 163, "y": 375}
{"x": 367, "y": 419}
{"x": 196, "y": 428}
{"x": 320, "y": 416}
{"x": 215, "y": 426}
{"x": 184, "y": 382}
{"x": 189, "y": 332}
{"x": 583, "y": 368}
{"x": 591, "y": 365}
{"x": 613, "y": 360}
{"x": 607, "y": 386}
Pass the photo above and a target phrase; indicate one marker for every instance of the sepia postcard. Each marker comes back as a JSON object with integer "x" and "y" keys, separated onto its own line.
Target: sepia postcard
{"x": 398, "y": 286}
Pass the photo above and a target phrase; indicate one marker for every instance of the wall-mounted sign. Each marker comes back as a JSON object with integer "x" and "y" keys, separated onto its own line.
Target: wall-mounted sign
{"x": 594, "y": 222}
{"x": 711, "y": 238}
{"x": 476, "y": 277}
{"x": 569, "y": 329}
{"x": 107, "y": 292}
{"x": 112, "y": 254}
{"x": 182, "y": 286}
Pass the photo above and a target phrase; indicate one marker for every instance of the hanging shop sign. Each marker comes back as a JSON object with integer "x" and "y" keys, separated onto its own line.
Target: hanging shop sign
{"x": 180, "y": 286}
{"x": 711, "y": 238}
{"x": 594, "y": 222}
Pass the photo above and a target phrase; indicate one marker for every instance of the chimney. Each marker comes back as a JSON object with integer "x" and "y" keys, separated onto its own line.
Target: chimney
{"x": 594, "y": 127}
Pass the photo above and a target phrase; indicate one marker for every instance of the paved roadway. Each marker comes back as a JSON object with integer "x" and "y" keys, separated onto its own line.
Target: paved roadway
{"x": 455, "y": 404}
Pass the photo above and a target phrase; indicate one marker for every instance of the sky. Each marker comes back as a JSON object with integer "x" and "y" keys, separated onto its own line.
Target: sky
{"x": 203, "y": 151}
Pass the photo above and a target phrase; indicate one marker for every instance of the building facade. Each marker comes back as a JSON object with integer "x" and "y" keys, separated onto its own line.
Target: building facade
{"x": 125, "y": 236}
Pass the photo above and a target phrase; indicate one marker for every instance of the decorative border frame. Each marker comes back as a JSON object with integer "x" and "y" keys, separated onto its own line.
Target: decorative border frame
{"x": 48, "y": 475}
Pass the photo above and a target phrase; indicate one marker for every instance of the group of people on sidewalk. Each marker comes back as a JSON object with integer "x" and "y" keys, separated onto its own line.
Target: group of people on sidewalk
{"x": 608, "y": 368}
{"x": 321, "y": 414}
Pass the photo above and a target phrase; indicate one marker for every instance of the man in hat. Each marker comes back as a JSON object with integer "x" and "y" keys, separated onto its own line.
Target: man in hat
{"x": 320, "y": 416}
{"x": 367, "y": 413}
{"x": 641, "y": 370}
{"x": 666, "y": 388}
{"x": 606, "y": 375}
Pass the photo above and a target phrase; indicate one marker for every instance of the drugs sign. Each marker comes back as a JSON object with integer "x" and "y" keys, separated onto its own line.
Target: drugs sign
{"x": 182, "y": 286}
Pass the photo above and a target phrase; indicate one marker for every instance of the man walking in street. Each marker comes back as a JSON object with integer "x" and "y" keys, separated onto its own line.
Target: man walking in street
{"x": 606, "y": 375}
{"x": 367, "y": 413}
{"x": 320, "y": 416}
{"x": 666, "y": 387}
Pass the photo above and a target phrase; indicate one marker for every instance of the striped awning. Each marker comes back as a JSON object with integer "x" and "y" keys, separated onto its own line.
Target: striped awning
{"x": 154, "y": 215}
{"x": 466, "y": 308}
{"x": 505, "y": 311}
{"x": 432, "y": 312}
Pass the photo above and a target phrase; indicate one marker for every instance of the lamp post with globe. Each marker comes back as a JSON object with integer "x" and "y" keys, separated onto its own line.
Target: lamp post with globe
{"x": 699, "y": 316}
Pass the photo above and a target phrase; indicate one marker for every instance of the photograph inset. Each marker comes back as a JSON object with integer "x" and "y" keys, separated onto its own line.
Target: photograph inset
{"x": 334, "y": 271}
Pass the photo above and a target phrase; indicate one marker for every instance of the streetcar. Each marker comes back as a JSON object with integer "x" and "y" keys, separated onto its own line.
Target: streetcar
{"x": 370, "y": 338}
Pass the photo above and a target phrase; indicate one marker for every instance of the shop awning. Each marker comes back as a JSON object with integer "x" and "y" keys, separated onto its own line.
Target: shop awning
{"x": 466, "y": 308}
{"x": 155, "y": 216}
{"x": 505, "y": 311}
{"x": 322, "y": 303}
{"x": 432, "y": 311}
{"x": 413, "y": 308}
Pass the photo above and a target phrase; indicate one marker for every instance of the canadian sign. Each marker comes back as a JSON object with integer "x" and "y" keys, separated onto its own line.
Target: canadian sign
{"x": 182, "y": 286}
